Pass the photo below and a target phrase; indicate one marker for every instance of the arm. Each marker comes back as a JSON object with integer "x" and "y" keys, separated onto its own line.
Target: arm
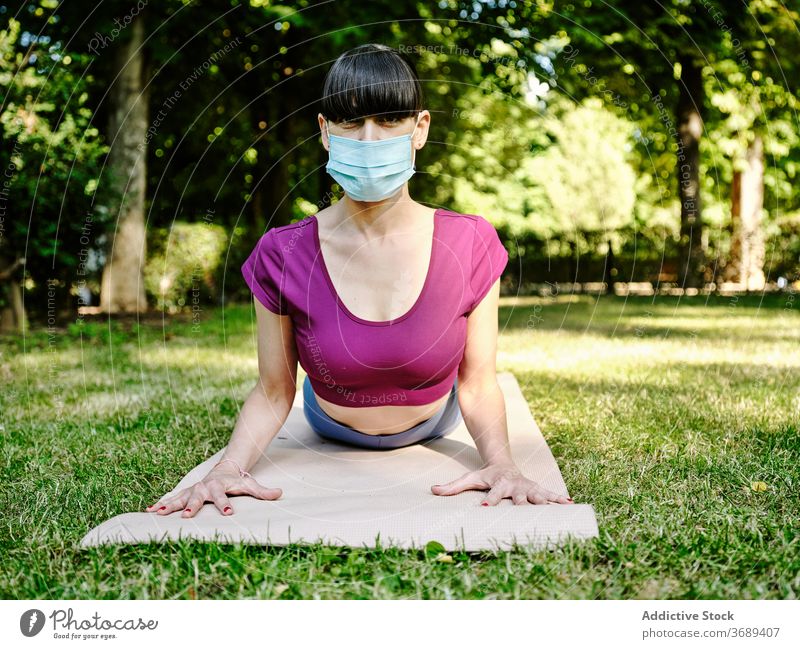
{"x": 484, "y": 410}
{"x": 263, "y": 413}
{"x": 270, "y": 401}
{"x": 479, "y": 396}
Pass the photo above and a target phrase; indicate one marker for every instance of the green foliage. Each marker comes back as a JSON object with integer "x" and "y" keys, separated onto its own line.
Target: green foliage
{"x": 587, "y": 179}
{"x": 181, "y": 261}
{"x": 629, "y": 56}
{"x": 244, "y": 133}
{"x": 51, "y": 157}
{"x": 433, "y": 549}
{"x": 564, "y": 173}
{"x": 783, "y": 244}
{"x": 489, "y": 142}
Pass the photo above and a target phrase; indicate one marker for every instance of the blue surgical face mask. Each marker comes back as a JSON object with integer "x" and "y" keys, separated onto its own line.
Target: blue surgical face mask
{"x": 370, "y": 170}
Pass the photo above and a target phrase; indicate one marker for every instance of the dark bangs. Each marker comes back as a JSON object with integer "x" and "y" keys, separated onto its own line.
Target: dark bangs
{"x": 371, "y": 80}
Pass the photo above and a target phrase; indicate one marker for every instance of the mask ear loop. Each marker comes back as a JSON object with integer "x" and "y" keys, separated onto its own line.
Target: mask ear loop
{"x": 416, "y": 123}
{"x": 413, "y": 164}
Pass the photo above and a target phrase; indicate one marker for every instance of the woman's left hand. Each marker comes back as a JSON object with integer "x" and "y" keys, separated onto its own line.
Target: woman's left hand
{"x": 502, "y": 481}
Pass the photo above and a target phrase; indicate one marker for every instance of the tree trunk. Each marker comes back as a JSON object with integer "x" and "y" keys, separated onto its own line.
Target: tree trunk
{"x": 690, "y": 129}
{"x": 610, "y": 277}
{"x": 573, "y": 261}
{"x": 747, "y": 200}
{"x": 122, "y": 287}
{"x": 13, "y": 318}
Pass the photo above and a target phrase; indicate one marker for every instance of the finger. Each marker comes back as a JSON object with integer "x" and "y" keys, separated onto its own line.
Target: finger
{"x": 162, "y": 502}
{"x": 495, "y": 495}
{"x": 471, "y": 480}
{"x": 196, "y": 501}
{"x": 553, "y": 496}
{"x": 221, "y": 501}
{"x": 255, "y": 488}
{"x": 173, "y": 504}
{"x": 154, "y": 508}
{"x": 519, "y": 498}
{"x": 535, "y": 496}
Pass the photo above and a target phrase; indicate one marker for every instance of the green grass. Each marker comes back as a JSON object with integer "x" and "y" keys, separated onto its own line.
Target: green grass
{"x": 661, "y": 413}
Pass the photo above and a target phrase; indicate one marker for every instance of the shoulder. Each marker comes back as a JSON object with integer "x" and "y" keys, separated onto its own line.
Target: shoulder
{"x": 469, "y": 220}
{"x": 459, "y": 220}
{"x": 478, "y": 227}
{"x": 283, "y": 235}
{"x": 282, "y": 231}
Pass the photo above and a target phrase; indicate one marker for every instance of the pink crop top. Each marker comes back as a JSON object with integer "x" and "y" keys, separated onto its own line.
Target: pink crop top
{"x": 411, "y": 360}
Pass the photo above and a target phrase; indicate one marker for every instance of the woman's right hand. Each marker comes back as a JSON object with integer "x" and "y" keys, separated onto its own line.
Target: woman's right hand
{"x": 214, "y": 487}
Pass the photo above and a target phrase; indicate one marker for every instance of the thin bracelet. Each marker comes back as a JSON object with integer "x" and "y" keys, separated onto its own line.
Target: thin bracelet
{"x": 242, "y": 473}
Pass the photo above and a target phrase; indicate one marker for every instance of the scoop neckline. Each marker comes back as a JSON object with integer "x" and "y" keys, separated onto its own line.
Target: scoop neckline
{"x": 379, "y": 323}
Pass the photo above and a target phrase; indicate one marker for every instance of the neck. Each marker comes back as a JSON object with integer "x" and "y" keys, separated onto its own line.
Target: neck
{"x": 393, "y": 214}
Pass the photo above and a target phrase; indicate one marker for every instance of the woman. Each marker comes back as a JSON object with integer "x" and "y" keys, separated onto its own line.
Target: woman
{"x": 388, "y": 305}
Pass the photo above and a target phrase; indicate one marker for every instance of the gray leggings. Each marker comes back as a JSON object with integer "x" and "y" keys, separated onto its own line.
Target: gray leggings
{"x": 442, "y": 423}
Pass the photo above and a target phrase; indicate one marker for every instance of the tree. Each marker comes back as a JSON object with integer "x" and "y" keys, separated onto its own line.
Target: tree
{"x": 747, "y": 201}
{"x": 587, "y": 178}
{"x": 118, "y": 29}
{"x": 754, "y": 111}
{"x": 122, "y": 288}
{"x": 675, "y": 51}
{"x": 49, "y": 154}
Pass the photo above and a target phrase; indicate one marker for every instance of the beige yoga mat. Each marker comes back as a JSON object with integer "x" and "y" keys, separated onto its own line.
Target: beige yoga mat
{"x": 348, "y": 496}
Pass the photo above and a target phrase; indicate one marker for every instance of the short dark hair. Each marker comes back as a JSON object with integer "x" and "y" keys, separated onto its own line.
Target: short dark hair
{"x": 371, "y": 80}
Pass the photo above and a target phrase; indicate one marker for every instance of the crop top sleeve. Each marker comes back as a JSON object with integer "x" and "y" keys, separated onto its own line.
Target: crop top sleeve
{"x": 489, "y": 259}
{"x": 263, "y": 272}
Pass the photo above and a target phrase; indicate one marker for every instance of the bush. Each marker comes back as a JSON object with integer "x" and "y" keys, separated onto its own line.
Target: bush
{"x": 183, "y": 260}
{"x": 783, "y": 247}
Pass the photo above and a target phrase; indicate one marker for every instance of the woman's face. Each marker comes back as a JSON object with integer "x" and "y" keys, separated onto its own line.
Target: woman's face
{"x": 378, "y": 127}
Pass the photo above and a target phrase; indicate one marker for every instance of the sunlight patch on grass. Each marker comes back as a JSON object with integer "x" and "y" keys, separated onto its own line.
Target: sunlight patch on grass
{"x": 672, "y": 440}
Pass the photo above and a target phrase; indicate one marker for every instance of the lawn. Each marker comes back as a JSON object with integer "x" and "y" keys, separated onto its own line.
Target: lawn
{"x": 676, "y": 418}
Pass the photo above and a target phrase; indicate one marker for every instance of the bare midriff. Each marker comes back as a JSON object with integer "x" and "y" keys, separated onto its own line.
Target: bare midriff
{"x": 381, "y": 420}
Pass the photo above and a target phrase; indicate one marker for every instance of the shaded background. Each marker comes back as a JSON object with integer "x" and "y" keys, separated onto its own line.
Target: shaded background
{"x": 616, "y": 147}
